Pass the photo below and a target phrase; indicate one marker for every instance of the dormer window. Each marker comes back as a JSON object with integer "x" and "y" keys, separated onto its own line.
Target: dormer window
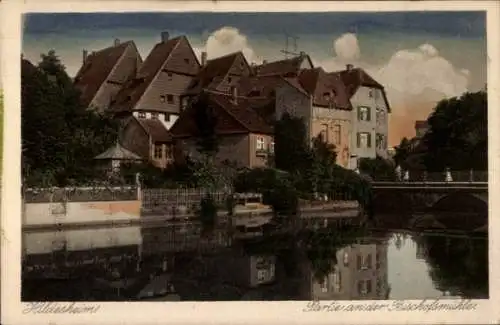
{"x": 229, "y": 79}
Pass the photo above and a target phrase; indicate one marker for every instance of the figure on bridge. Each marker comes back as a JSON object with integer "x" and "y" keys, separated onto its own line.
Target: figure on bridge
{"x": 406, "y": 177}
{"x": 448, "y": 177}
{"x": 398, "y": 173}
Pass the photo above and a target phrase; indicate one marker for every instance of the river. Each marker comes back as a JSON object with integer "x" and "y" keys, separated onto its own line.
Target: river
{"x": 181, "y": 262}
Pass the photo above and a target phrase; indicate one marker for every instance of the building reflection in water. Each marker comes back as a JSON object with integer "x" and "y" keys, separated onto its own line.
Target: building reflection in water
{"x": 359, "y": 274}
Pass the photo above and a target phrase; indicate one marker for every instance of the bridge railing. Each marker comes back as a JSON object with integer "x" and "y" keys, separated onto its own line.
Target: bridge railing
{"x": 451, "y": 176}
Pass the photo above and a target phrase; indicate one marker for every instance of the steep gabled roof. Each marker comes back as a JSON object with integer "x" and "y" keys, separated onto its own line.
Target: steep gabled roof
{"x": 96, "y": 70}
{"x": 156, "y": 130}
{"x": 232, "y": 118}
{"x": 133, "y": 90}
{"x": 117, "y": 152}
{"x": 319, "y": 84}
{"x": 356, "y": 77}
{"x": 214, "y": 72}
{"x": 286, "y": 67}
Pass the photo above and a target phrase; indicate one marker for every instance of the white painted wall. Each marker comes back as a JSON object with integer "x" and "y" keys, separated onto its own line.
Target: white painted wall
{"x": 44, "y": 242}
{"x": 168, "y": 123}
{"x": 77, "y": 212}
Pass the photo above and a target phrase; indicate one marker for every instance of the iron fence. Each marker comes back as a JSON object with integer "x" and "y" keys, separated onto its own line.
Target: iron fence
{"x": 188, "y": 199}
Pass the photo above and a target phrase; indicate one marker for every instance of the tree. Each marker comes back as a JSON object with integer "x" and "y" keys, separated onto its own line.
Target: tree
{"x": 291, "y": 149}
{"x": 378, "y": 168}
{"x": 60, "y": 137}
{"x": 402, "y": 152}
{"x": 458, "y": 134}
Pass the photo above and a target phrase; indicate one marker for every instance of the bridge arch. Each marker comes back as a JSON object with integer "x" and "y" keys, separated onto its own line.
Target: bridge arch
{"x": 461, "y": 202}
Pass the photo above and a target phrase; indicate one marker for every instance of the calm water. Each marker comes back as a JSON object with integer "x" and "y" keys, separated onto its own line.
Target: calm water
{"x": 182, "y": 263}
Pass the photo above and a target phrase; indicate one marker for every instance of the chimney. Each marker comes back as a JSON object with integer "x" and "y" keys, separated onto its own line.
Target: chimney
{"x": 349, "y": 67}
{"x": 264, "y": 61}
{"x": 302, "y": 54}
{"x": 85, "y": 55}
{"x": 164, "y": 37}
{"x": 234, "y": 94}
{"x": 203, "y": 58}
{"x": 117, "y": 41}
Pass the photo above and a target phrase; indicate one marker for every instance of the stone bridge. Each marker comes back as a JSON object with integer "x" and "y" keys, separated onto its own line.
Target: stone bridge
{"x": 454, "y": 197}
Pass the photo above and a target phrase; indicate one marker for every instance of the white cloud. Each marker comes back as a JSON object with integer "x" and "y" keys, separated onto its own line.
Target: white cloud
{"x": 419, "y": 74}
{"x": 346, "y": 47}
{"x": 225, "y": 41}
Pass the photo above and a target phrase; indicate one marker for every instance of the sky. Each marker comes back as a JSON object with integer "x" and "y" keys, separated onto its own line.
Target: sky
{"x": 420, "y": 57}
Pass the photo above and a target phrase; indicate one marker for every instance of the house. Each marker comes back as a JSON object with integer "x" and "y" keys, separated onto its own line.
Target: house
{"x": 219, "y": 74}
{"x": 155, "y": 92}
{"x": 361, "y": 273}
{"x": 421, "y": 128}
{"x": 149, "y": 139}
{"x": 290, "y": 67}
{"x": 112, "y": 158}
{"x": 369, "y": 114}
{"x": 243, "y": 136}
{"x": 331, "y": 111}
{"x": 103, "y": 74}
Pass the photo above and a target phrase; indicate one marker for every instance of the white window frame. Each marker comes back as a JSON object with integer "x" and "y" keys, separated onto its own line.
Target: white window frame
{"x": 324, "y": 284}
{"x": 155, "y": 147}
{"x": 141, "y": 114}
{"x": 260, "y": 143}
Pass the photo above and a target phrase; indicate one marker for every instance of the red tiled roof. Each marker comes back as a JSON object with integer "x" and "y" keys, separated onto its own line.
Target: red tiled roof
{"x": 231, "y": 117}
{"x": 156, "y": 130}
{"x": 357, "y": 77}
{"x": 286, "y": 67}
{"x": 320, "y": 85}
{"x": 96, "y": 70}
{"x": 130, "y": 94}
{"x": 421, "y": 124}
{"x": 213, "y": 73}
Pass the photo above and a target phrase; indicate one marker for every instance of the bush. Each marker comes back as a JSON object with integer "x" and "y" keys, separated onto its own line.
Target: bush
{"x": 378, "y": 169}
{"x": 208, "y": 212}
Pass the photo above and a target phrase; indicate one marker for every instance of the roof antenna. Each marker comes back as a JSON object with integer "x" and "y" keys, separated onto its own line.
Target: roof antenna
{"x": 290, "y": 41}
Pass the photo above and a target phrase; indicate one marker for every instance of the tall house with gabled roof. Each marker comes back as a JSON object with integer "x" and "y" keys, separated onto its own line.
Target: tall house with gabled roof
{"x": 103, "y": 74}
{"x": 155, "y": 92}
{"x": 287, "y": 68}
{"x": 370, "y": 113}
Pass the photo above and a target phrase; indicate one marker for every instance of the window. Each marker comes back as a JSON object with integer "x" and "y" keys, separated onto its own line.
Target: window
{"x": 142, "y": 115}
{"x": 186, "y": 60}
{"x": 184, "y": 103}
{"x": 166, "y": 117}
{"x": 271, "y": 147}
{"x": 169, "y": 76}
{"x": 261, "y": 144}
{"x": 158, "y": 151}
{"x": 380, "y": 141}
{"x": 364, "y": 262}
{"x": 170, "y": 99}
{"x": 337, "y": 134}
{"x": 229, "y": 79}
{"x": 363, "y": 113}
{"x": 371, "y": 93}
{"x": 368, "y": 286}
{"x": 364, "y": 287}
{"x": 346, "y": 259}
{"x": 377, "y": 261}
{"x": 261, "y": 275}
{"x": 324, "y": 284}
{"x": 154, "y": 116}
{"x": 162, "y": 99}
{"x": 364, "y": 140}
{"x": 324, "y": 132}
{"x": 337, "y": 281}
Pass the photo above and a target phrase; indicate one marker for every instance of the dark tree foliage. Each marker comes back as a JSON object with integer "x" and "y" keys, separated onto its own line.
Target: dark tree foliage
{"x": 174, "y": 176}
{"x": 60, "y": 137}
{"x": 206, "y": 122}
{"x": 291, "y": 148}
{"x": 458, "y": 134}
{"x": 458, "y": 265}
{"x": 402, "y": 152}
{"x": 379, "y": 169}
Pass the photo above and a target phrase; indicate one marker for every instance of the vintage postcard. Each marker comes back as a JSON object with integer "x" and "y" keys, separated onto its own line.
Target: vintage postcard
{"x": 241, "y": 162}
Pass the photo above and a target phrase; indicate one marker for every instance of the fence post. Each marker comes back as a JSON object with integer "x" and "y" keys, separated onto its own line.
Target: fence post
{"x": 448, "y": 177}
{"x": 138, "y": 184}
